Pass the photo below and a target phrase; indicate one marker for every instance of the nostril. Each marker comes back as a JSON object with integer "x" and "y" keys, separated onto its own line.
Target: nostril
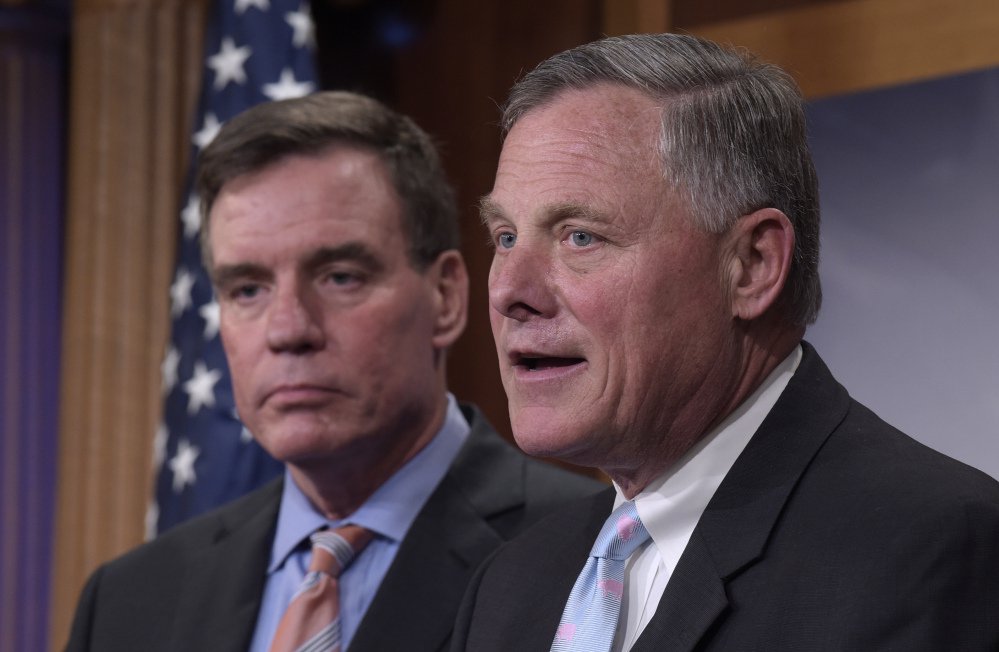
{"x": 521, "y": 311}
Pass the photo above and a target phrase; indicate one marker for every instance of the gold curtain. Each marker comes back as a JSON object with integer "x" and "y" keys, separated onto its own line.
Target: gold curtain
{"x": 135, "y": 69}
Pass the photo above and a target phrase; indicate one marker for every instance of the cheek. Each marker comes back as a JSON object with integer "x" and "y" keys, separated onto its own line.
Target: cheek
{"x": 385, "y": 334}
{"x": 245, "y": 347}
{"x": 608, "y": 309}
{"x": 233, "y": 345}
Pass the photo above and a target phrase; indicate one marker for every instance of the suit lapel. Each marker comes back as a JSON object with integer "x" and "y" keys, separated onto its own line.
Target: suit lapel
{"x": 422, "y": 590}
{"x": 226, "y": 578}
{"x": 734, "y": 529}
{"x": 694, "y": 598}
{"x": 450, "y": 537}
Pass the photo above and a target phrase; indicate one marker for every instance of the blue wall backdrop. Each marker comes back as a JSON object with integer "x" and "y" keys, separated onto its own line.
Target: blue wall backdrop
{"x": 909, "y": 178}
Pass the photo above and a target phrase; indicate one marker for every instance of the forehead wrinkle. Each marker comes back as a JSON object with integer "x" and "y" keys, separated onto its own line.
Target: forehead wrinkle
{"x": 628, "y": 129}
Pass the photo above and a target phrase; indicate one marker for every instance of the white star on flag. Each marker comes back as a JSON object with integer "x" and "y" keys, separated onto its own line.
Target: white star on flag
{"x": 168, "y": 369}
{"x": 208, "y": 131}
{"x": 287, "y": 88}
{"x": 243, "y": 5}
{"x": 201, "y": 387}
{"x": 182, "y": 465}
{"x": 180, "y": 292}
{"x": 191, "y": 217}
{"x": 228, "y": 63}
{"x": 301, "y": 25}
{"x": 210, "y": 313}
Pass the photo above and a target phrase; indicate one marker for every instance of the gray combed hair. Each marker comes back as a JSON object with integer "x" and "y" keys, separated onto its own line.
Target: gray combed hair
{"x": 733, "y": 136}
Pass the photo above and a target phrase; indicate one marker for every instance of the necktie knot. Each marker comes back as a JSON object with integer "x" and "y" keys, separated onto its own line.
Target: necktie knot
{"x": 622, "y": 534}
{"x": 333, "y": 550}
{"x": 312, "y": 621}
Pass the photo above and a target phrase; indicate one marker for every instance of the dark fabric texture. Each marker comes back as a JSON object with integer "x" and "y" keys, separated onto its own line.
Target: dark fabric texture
{"x": 199, "y": 586}
{"x": 832, "y": 531}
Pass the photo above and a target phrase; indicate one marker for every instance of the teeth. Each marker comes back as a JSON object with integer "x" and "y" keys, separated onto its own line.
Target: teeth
{"x": 531, "y": 363}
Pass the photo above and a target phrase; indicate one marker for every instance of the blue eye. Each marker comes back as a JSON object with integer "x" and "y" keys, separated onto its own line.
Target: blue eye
{"x": 341, "y": 278}
{"x": 581, "y": 238}
{"x": 506, "y": 240}
{"x": 244, "y": 292}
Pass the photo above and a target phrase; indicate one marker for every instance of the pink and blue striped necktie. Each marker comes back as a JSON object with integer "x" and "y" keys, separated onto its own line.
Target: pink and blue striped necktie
{"x": 590, "y": 619}
{"x": 312, "y": 620}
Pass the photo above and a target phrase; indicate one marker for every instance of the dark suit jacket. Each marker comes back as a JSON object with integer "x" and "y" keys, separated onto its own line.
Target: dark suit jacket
{"x": 199, "y": 586}
{"x": 832, "y": 531}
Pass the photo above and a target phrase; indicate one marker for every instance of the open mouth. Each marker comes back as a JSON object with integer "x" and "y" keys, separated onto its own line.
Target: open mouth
{"x": 532, "y": 363}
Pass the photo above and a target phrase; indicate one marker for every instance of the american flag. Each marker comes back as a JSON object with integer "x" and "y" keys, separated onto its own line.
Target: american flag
{"x": 256, "y": 51}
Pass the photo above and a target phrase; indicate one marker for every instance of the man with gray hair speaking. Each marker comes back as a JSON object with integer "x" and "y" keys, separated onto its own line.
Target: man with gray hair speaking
{"x": 655, "y": 219}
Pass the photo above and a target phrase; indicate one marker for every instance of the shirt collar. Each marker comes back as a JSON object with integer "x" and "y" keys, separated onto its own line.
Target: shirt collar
{"x": 673, "y": 503}
{"x": 391, "y": 509}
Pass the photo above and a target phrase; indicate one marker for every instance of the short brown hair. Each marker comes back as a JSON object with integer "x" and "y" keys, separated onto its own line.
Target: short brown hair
{"x": 269, "y": 132}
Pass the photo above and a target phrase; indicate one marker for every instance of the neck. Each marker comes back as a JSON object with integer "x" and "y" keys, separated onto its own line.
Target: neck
{"x": 757, "y": 354}
{"x": 339, "y": 484}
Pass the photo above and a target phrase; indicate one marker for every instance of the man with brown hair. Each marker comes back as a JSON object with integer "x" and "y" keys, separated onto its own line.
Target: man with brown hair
{"x": 331, "y": 238}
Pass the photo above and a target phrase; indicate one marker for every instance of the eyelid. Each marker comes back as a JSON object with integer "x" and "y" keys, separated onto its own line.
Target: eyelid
{"x": 568, "y": 231}
{"x": 227, "y": 277}
{"x": 497, "y": 231}
{"x": 241, "y": 291}
{"x": 236, "y": 284}
{"x": 343, "y": 276}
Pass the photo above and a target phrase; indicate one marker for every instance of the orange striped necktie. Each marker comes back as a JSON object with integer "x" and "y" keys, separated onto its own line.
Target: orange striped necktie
{"x": 312, "y": 620}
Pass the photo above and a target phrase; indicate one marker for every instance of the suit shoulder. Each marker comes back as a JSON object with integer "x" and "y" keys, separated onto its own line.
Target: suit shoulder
{"x": 171, "y": 548}
{"x": 507, "y": 487}
{"x": 883, "y": 457}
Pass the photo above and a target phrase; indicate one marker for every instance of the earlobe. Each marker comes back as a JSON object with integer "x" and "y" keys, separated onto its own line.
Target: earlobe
{"x": 450, "y": 297}
{"x": 763, "y": 243}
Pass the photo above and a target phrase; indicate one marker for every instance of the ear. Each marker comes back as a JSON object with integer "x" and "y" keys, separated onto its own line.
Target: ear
{"x": 761, "y": 249}
{"x": 450, "y": 293}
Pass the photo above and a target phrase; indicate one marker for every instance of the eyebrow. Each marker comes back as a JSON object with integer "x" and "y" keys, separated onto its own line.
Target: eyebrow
{"x": 356, "y": 252}
{"x": 490, "y": 210}
{"x": 572, "y": 210}
{"x": 223, "y": 275}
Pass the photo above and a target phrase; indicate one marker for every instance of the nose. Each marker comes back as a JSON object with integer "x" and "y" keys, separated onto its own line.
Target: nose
{"x": 520, "y": 284}
{"x": 294, "y": 322}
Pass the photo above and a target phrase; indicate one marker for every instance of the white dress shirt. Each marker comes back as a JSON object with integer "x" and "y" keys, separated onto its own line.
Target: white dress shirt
{"x": 673, "y": 503}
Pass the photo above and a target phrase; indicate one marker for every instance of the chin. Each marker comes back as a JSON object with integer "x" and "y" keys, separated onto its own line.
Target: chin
{"x": 546, "y": 438}
{"x": 296, "y": 445}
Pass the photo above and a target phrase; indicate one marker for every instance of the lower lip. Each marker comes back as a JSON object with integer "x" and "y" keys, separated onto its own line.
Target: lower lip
{"x": 299, "y": 397}
{"x": 548, "y": 374}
